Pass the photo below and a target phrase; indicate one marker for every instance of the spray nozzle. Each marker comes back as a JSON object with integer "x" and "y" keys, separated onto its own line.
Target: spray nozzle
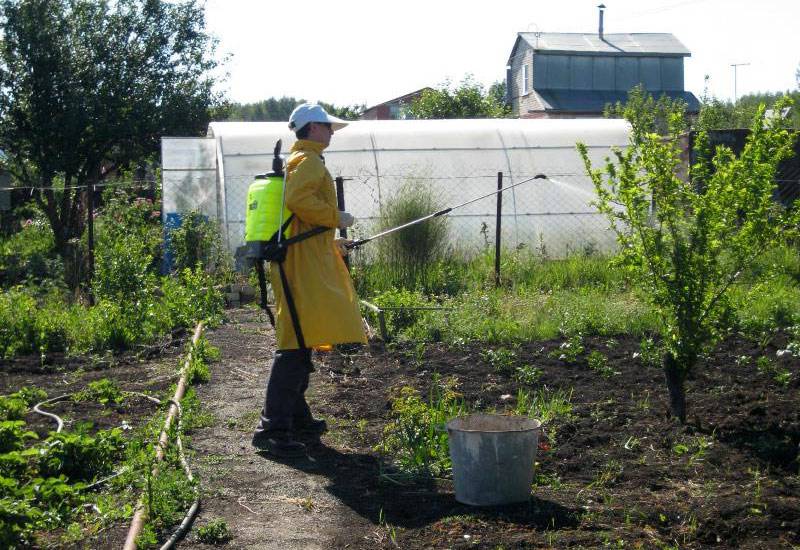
{"x": 277, "y": 162}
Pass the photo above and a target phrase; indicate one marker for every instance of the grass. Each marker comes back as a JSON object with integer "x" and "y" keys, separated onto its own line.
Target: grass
{"x": 542, "y": 300}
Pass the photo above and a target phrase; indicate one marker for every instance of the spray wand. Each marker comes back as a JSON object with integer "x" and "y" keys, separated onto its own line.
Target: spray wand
{"x": 356, "y": 244}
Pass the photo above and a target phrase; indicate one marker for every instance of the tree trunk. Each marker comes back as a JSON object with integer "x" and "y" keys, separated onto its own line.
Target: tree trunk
{"x": 675, "y": 374}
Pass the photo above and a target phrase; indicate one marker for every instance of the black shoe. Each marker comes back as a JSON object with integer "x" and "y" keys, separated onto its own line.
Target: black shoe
{"x": 278, "y": 444}
{"x": 310, "y": 426}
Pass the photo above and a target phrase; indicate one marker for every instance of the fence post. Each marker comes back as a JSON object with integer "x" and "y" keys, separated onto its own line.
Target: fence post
{"x": 90, "y": 237}
{"x": 340, "y": 205}
{"x": 497, "y": 227}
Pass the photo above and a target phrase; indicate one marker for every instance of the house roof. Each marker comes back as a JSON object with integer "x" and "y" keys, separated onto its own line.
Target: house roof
{"x": 638, "y": 44}
{"x": 594, "y": 101}
{"x": 401, "y": 98}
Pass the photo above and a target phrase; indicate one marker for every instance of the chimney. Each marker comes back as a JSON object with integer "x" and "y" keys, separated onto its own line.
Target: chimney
{"x": 601, "y": 7}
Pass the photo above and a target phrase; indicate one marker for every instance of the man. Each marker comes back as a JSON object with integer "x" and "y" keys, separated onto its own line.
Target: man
{"x": 319, "y": 283}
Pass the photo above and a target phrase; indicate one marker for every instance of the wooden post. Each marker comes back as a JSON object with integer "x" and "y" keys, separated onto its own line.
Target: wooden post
{"x": 497, "y": 227}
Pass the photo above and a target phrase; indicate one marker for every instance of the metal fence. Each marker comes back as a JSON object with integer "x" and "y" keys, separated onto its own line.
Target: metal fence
{"x": 553, "y": 216}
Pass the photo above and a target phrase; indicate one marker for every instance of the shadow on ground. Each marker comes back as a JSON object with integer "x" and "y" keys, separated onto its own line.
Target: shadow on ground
{"x": 355, "y": 480}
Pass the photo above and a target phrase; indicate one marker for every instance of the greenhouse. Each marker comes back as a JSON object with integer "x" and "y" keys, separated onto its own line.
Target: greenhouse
{"x": 456, "y": 159}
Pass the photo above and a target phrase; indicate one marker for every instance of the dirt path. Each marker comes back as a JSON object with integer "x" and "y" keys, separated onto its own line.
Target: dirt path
{"x": 267, "y": 504}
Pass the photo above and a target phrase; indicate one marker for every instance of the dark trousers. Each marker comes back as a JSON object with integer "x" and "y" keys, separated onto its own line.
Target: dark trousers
{"x": 285, "y": 401}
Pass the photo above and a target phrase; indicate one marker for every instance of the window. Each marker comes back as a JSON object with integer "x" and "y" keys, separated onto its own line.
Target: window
{"x": 524, "y": 78}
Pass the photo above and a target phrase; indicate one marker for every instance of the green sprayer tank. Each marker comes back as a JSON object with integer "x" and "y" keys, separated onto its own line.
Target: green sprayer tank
{"x": 265, "y": 197}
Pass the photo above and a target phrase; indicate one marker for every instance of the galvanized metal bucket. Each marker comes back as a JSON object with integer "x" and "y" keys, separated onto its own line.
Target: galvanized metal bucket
{"x": 493, "y": 457}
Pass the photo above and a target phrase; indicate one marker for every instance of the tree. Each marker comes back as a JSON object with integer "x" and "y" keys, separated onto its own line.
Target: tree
{"x": 651, "y": 115}
{"x": 276, "y": 110}
{"x": 687, "y": 240}
{"x": 468, "y": 100}
{"x": 88, "y": 86}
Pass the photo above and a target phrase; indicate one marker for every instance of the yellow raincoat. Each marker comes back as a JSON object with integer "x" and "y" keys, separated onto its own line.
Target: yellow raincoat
{"x": 326, "y": 303}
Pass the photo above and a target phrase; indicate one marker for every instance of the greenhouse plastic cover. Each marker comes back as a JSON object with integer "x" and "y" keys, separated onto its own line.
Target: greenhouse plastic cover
{"x": 455, "y": 159}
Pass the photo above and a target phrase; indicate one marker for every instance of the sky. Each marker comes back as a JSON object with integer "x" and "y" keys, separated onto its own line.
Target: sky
{"x": 352, "y": 52}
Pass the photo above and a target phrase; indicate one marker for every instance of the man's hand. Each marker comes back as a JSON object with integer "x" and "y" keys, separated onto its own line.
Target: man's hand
{"x": 346, "y": 219}
{"x": 341, "y": 246}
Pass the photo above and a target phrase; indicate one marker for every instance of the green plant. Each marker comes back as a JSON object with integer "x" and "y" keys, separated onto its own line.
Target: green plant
{"x": 214, "y": 532}
{"x": 80, "y": 457}
{"x": 409, "y": 255}
{"x": 202, "y": 354}
{"x": 544, "y": 405}
{"x": 598, "y": 362}
{"x": 197, "y": 241}
{"x": 528, "y": 374}
{"x": 649, "y": 353}
{"x": 501, "y": 360}
{"x": 415, "y": 437}
{"x": 569, "y": 351}
{"x": 104, "y": 391}
{"x": 688, "y": 240}
{"x": 13, "y": 435}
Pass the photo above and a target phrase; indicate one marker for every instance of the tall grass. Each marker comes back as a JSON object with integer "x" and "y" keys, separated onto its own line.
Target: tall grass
{"x": 586, "y": 294}
{"x": 410, "y": 258}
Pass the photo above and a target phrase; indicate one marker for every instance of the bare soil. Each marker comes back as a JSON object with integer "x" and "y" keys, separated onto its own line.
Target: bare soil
{"x": 618, "y": 472}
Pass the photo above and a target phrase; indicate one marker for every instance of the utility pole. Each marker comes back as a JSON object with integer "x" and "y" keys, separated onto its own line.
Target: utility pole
{"x": 735, "y": 66}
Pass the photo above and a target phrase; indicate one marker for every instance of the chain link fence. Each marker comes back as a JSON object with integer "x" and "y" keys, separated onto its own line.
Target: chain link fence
{"x": 552, "y": 216}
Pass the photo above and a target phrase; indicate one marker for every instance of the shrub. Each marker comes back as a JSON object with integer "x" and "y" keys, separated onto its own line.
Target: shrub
{"x": 214, "y": 532}
{"x": 415, "y": 437}
{"x": 198, "y": 241}
{"x": 409, "y": 256}
{"x": 29, "y": 256}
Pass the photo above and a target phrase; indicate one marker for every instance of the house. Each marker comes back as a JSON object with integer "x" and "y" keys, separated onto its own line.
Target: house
{"x": 394, "y": 109}
{"x": 573, "y": 75}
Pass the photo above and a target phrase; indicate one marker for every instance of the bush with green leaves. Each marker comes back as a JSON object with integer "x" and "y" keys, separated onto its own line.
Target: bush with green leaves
{"x": 415, "y": 437}
{"x": 79, "y": 456}
{"x": 198, "y": 241}
{"x": 409, "y": 257}
{"x": 28, "y": 256}
{"x": 214, "y": 532}
{"x": 688, "y": 240}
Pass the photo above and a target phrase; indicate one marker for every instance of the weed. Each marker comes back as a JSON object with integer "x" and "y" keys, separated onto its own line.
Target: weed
{"x": 607, "y": 475}
{"x": 528, "y": 374}
{"x": 501, "y": 360}
{"x": 415, "y": 437}
{"x": 391, "y": 531}
{"x": 544, "y": 405}
{"x": 103, "y": 391}
{"x": 214, "y": 532}
{"x": 644, "y": 402}
{"x": 649, "y": 353}
{"x": 598, "y": 362}
{"x": 757, "y": 504}
{"x": 767, "y": 367}
{"x": 569, "y": 351}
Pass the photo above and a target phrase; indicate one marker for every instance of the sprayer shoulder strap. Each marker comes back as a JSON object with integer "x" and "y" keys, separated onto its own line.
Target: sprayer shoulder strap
{"x": 298, "y": 331}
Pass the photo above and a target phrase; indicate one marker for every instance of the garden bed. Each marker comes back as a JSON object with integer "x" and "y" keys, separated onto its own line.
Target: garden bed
{"x": 616, "y": 471}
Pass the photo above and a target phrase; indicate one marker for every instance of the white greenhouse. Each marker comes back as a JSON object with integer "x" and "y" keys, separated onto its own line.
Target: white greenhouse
{"x": 456, "y": 159}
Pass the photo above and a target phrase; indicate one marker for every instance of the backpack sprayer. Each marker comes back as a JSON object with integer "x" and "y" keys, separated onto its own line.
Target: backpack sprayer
{"x": 266, "y": 233}
{"x": 267, "y": 224}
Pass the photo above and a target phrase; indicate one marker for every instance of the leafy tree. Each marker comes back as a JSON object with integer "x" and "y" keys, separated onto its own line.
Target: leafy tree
{"x": 468, "y": 100}
{"x": 686, "y": 241}
{"x": 716, "y": 114}
{"x": 88, "y": 86}
{"x": 651, "y": 115}
{"x": 276, "y": 110}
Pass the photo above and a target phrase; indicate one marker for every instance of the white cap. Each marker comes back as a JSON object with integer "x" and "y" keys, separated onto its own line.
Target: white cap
{"x": 310, "y": 112}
